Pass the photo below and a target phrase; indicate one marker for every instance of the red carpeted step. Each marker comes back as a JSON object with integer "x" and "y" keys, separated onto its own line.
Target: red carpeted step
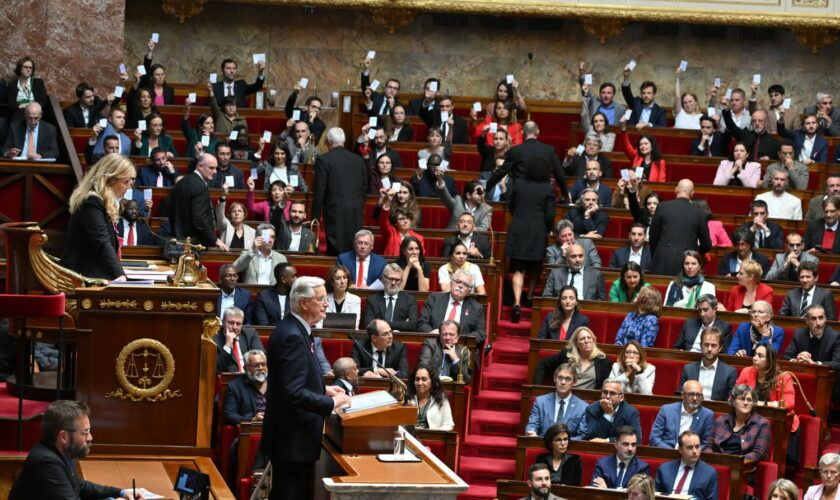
{"x": 504, "y": 377}
{"x": 507, "y": 328}
{"x": 476, "y": 470}
{"x": 479, "y": 492}
{"x": 497, "y": 401}
{"x": 488, "y": 447}
{"x": 508, "y": 350}
{"x": 493, "y": 423}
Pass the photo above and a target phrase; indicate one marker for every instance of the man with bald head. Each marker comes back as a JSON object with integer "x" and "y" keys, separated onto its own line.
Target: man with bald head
{"x": 761, "y": 145}
{"x": 31, "y": 138}
{"x": 689, "y": 414}
{"x": 592, "y": 179}
{"x": 677, "y": 226}
{"x": 588, "y": 282}
{"x": 191, "y": 213}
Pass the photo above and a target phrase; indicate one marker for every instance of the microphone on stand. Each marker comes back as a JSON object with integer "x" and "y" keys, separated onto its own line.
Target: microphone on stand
{"x": 397, "y": 385}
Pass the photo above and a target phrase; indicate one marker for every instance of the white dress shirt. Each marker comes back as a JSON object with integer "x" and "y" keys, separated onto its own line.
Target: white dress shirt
{"x": 265, "y": 268}
{"x": 706, "y": 377}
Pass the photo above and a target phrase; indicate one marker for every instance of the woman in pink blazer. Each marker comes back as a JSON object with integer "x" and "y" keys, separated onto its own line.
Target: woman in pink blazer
{"x": 737, "y": 171}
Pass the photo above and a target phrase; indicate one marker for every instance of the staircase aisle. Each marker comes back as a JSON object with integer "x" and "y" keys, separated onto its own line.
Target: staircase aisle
{"x": 487, "y": 449}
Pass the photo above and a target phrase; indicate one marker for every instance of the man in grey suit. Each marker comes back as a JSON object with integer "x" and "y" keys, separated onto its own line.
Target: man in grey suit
{"x": 604, "y": 103}
{"x": 471, "y": 202}
{"x": 455, "y": 305}
{"x": 798, "y": 300}
{"x": 690, "y": 338}
{"x": 589, "y": 282}
{"x": 716, "y": 377}
{"x": 786, "y": 264}
{"x": 564, "y": 236}
{"x": 559, "y": 406}
{"x": 828, "y": 117}
{"x": 257, "y": 265}
{"x": 31, "y": 138}
{"x": 233, "y": 341}
{"x": 816, "y": 343}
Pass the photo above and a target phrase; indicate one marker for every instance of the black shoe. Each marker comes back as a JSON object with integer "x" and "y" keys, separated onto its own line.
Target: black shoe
{"x": 515, "y": 314}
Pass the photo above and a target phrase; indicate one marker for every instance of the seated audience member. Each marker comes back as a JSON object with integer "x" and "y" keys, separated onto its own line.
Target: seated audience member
{"x": 472, "y": 202}
{"x": 346, "y": 375}
{"x": 633, "y": 370}
{"x": 230, "y": 86}
{"x": 760, "y": 330}
{"x": 227, "y": 171}
{"x": 646, "y": 113}
{"x": 691, "y": 334}
{"x": 131, "y": 229}
{"x": 564, "y": 236}
{"x": 559, "y": 407}
{"x": 765, "y": 147}
{"x": 811, "y": 145}
{"x": 493, "y": 157}
{"x": 686, "y": 107}
{"x": 767, "y": 234}
{"x": 225, "y": 115}
{"x": 588, "y": 218}
{"x": 452, "y": 127}
{"x": 397, "y": 308}
{"x": 828, "y": 117}
{"x": 111, "y": 144}
{"x": 374, "y": 149}
{"x": 257, "y": 264}
{"x": 596, "y": 127}
{"x": 159, "y": 172}
{"x": 389, "y": 355}
{"x": 272, "y": 303}
{"x": 642, "y": 323}
{"x": 796, "y": 170}
{"x": 456, "y": 305}
{"x": 807, "y": 294}
{"x": 819, "y": 236}
{"x": 786, "y": 264}
{"x": 245, "y": 396}
{"x": 744, "y": 240}
{"x": 279, "y": 167}
{"x": 605, "y": 101}
{"x": 397, "y": 228}
{"x": 415, "y": 270}
{"x": 615, "y": 471}
{"x": 339, "y": 300}
{"x": 508, "y": 92}
{"x": 379, "y": 103}
{"x": 24, "y": 88}
{"x": 139, "y": 106}
{"x": 204, "y": 131}
{"x": 504, "y": 118}
{"x": 426, "y": 181}
{"x": 274, "y": 207}
{"x": 776, "y": 110}
{"x": 688, "y": 475}
{"x": 539, "y": 483}
{"x": 565, "y": 468}
{"x": 749, "y": 288}
{"x": 710, "y": 141}
{"x": 425, "y": 390}
{"x": 458, "y": 262}
{"x": 675, "y": 418}
{"x": 785, "y": 489}
{"x": 815, "y": 343}
{"x": 233, "y": 340}
{"x": 115, "y": 126}
{"x": 574, "y": 164}
{"x": 829, "y": 479}
{"x": 689, "y": 284}
{"x": 565, "y": 319}
{"x": 31, "y": 138}
{"x": 445, "y": 354}
{"x": 588, "y": 282}
{"x": 233, "y": 231}
{"x": 431, "y": 90}
{"x": 365, "y": 267}
{"x": 309, "y": 113}
{"x": 231, "y": 295}
{"x": 397, "y": 125}
{"x": 403, "y": 198}
{"x": 382, "y": 179}
{"x": 631, "y": 279}
{"x": 293, "y": 235}
{"x": 752, "y": 439}
{"x": 155, "y": 79}
{"x": 591, "y": 365}
{"x": 478, "y": 245}
{"x": 635, "y": 252}
{"x": 716, "y": 377}
{"x": 738, "y": 170}
{"x": 607, "y": 415}
{"x": 716, "y": 231}
{"x": 646, "y": 155}
{"x": 780, "y": 203}
{"x": 88, "y": 108}
{"x": 641, "y": 487}
{"x": 296, "y": 137}
{"x": 740, "y": 115}
{"x": 815, "y": 205}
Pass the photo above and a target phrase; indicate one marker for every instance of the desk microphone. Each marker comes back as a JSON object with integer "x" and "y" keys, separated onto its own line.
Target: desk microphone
{"x": 397, "y": 385}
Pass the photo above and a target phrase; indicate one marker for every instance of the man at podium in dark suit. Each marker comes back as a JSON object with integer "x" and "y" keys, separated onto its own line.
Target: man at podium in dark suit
{"x": 297, "y": 400}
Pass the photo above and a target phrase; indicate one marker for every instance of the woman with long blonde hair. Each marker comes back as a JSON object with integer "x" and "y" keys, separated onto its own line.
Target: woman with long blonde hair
{"x": 91, "y": 246}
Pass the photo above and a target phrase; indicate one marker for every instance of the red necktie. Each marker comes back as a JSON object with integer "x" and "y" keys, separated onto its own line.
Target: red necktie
{"x": 236, "y": 355}
{"x": 130, "y": 235}
{"x": 681, "y": 482}
{"x": 454, "y": 312}
{"x": 360, "y": 274}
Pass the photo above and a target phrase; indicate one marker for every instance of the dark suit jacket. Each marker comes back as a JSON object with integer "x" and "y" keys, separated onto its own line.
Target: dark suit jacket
{"x": 459, "y": 125}
{"x": 370, "y": 161}
{"x": 517, "y": 157}
{"x": 232, "y": 171}
{"x": 729, "y": 260}
{"x": 90, "y": 244}
{"x": 340, "y": 189}
{"x": 605, "y": 467}
{"x": 725, "y": 378}
{"x": 377, "y": 264}
{"x": 431, "y": 353}
{"x": 248, "y": 340}
{"x": 774, "y": 240}
{"x": 414, "y": 106}
{"x": 593, "y": 283}
{"x": 267, "y": 308}
{"x": 192, "y": 211}
{"x": 147, "y": 176}
{"x": 45, "y": 475}
{"x": 720, "y": 145}
{"x": 295, "y": 397}
{"x": 599, "y": 427}
{"x": 377, "y": 98}
{"x": 240, "y": 90}
{"x": 621, "y": 256}
{"x": 396, "y": 357}
{"x": 832, "y": 130}
{"x": 819, "y": 153}
{"x": 598, "y": 222}
{"x": 577, "y": 167}
{"x": 691, "y": 328}
{"x": 47, "y": 145}
{"x": 828, "y": 353}
{"x": 241, "y": 300}
{"x": 39, "y": 92}
{"x": 767, "y": 144}
{"x": 317, "y": 127}
{"x": 821, "y": 296}
{"x": 704, "y": 481}
{"x": 405, "y": 311}
{"x": 143, "y": 233}
{"x": 284, "y": 238}
{"x": 75, "y": 118}
{"x": 677, "y": 226}
{"x": 814, "y": 236}
{"x": 658, "y": 116}
{"x": 238, "y": 404}
{"x": 478, "y": 240}
{"x": 146, "y": 82}
{"x": 578, "y": 320}
{"x": 471, "y": 320}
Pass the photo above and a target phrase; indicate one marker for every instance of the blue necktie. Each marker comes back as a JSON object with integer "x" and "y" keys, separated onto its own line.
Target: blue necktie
{"x": 619, "y": 482}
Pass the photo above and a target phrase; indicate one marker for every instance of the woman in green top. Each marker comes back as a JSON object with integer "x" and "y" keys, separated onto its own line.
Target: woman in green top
{"x": 204, "y": 126}
{"x": 630, "y": 281}
{"x": 153, "y": 137}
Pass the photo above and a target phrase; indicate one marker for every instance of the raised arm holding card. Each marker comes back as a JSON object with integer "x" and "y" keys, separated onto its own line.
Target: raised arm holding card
{"x": 230, "y": 86}
{"x": 155, "y": 79}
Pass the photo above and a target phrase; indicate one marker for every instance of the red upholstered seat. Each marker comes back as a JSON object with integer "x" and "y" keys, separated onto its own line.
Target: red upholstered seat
{"x": 24, "y": 306}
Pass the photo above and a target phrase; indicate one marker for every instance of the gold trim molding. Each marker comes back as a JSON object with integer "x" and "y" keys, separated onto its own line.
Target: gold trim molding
{"x": 183, "y": 9}
{"x": 815, "y": 38}
{"x": 603, "y": 29}
{"x": 117, "y": 304}
{"x": 178, "y": 306}
{"x": 391, "y": 19}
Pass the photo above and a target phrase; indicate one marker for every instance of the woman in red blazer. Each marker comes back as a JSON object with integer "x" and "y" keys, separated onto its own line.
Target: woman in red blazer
{"x": 770, "y": 383}
{"x": 749, "y": 290}
{"x": 646, "y": 155}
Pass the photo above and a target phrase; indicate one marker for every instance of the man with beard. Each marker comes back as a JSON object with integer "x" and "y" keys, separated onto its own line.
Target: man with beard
{"x": 159, "y": 173}
{"x": 226, "y": 169}
{"x": 50, "y": 468}
{"x": 272, "y": 304}
{"x": 715, "y": 376}
{"x": 399, "y": 310}
{"x": 133, "y": 231}
{"x": 592, "y": 180}
{"x": 588, "y": 218}
{"x": 245, "y": 399}
{"x": 472, "y": 202}
{"x": 296, "y": 136}
{"x": 292, "y": 235}
{"x": 730, "y": 263}
{"x": 819, "y": 236}
{"x": 377, "y": 148}
{"x": 762, "y": 145}
{"x": 786, "y": 264}
{"x": 575, "y": 164}
{"x": 796, "y": 170}
{"x": 635, "y": 251}
{"x": 478, "y": 246}
{"x": 539, "y": 480}
{"x": 308, "y": 113}
{"x": 233, "y": 340}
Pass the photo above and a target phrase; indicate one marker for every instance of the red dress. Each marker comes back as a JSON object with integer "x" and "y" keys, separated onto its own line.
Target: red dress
{"x": 657, "y": 168}
{"x": 514, "y": 130}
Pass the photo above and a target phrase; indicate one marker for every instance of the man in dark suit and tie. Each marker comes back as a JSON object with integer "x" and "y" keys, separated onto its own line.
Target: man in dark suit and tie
{"x": 559, "y": 406}
{"x": 88, "y": 108}
{"x": 445, "y": 354}
{"x": 815, "y": 343}
{"x": 273, "y": 304}
{"x": 669, "y": 421}
{"x": 132, "y": 230}
{"x": 379, "y": 103}
{"x": 589, "y": 282}
{"x": 716, "y": 377}
{"x": 297, "y": 400}
{"x": 615, "y": 471}
{"x": 688, "y": 475}
{"x": 159, "y": 173}
{"x": 598, "y": 426}
{"x": 346, "y": 375}
{"x": 645, "y": 110}
{"x": 456, "y": 305}
{"x": 635, "y": 251}
{"x": 230, "y": 86}
{"x": 398, "y": 309}
{"x": 478, "y": 246}
{"x": 767, "y": 234}
{"x": 690, "y": 338}
{"x": 365, "y": 266}
{"x": 191, "y": 213}
{"x": 710, "y": 142}
{"x": 808, "y": 294}
{"x": 233, "y": 340}
{"x": 340, "y": 189}
{"x": 453, "y": 129}
{"x": 389, "y": 355}
{"x": 291, "y": 234}
{"x": 744, "y": 241}
{"x": 231, "y": 295}
{"x": 677, "y": 226}
{"x": 31, "y": 137}
{"x": 427, "y": 100}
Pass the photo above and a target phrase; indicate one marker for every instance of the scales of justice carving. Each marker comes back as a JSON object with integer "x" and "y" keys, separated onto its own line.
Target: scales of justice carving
{"x": 145, "y": 368}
